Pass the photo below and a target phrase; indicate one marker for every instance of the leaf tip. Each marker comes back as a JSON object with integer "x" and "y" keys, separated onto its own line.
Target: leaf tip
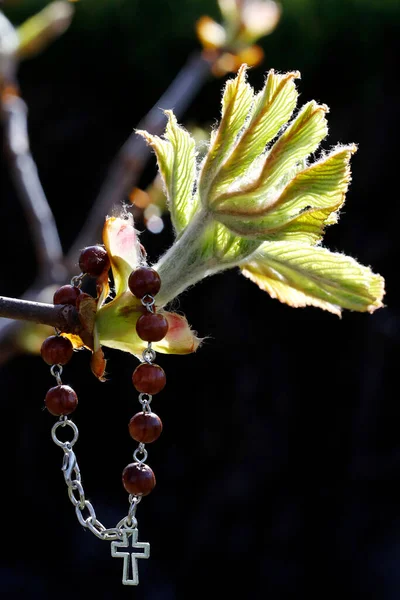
{"x": 242, "y": 71}
{"x": 378, "y": 291}
{"x": 146, "y": 135}
{"x": 169, "y": 114}
{"x": 323, "y": 108}
{"x": 353, "y": 148}
{"x": 287, "y": 76}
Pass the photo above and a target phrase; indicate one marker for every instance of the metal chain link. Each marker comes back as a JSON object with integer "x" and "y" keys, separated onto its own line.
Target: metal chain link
{"x": 145, "y": 400}
{"x": 76, "y": 493}
{"x": 149, "y": 354}
{"x": 56, "y": 371}
{"x": 76, "y": 280}
{"x": 149, "y": 302}
{"x": 140, "y": 450}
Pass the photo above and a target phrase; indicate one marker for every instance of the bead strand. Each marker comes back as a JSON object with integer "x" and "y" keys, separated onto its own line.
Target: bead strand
{"x": 148, "y": 379}
{"x": 56, "y": 350}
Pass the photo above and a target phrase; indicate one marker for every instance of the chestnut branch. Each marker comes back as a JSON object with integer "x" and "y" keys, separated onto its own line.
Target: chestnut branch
{"x": 61, "y": 316}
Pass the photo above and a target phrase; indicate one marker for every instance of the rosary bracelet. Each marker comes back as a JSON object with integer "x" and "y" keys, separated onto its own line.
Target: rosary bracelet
{"x": 145, "y": 426}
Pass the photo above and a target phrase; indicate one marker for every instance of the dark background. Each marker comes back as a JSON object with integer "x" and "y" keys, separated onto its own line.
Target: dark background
{"x": 278, "y": 467}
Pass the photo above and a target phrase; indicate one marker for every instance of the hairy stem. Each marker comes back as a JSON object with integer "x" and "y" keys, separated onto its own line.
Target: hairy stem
{"x": 187, "y": 261}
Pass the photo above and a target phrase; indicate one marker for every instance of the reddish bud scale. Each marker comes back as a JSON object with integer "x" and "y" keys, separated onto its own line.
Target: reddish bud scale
{"x": 56, "y": 350}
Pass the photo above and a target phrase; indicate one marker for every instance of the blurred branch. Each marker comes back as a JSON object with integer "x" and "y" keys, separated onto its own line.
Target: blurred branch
{"x": 32, "y": 36}
{"x": 39, "y": 216}
{"x": 63, "y": 316}
{"x": 130, "y": 161}
{"x": 8, "y": 48}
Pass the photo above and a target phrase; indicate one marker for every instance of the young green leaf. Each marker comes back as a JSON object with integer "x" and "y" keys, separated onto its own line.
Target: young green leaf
{"x": 300, "y": 139}
{"x": 320, "y": 188}
{"x": 264, "y": 209}
{"x": 228, "y": 248}
{"x": 176, "y": 159}
{"x": 236, "y": 103}
{"x": 272, "y": 108}
{"x": 302, "y": 275}
{"x": 308, "y": 228}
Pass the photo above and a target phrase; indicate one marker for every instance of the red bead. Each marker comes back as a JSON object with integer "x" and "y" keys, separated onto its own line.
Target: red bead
{"x": 145, "y": 427}
{"x": 66, "y": 294}
{"x": 94, "y": 260}
{"x": 61, "y": 400}
{"x": 144, "y": 282}
{"x": 149, "y": 379}
{"x": 152, "y": 327}
{"x": 138, "y": 479}
{"x": 56, "y": 350}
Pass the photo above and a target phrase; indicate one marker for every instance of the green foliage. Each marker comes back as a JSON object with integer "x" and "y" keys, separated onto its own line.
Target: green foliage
{"x": 177, "y": 163}
{"x": 302, "y": 275}
{"x": 319, "y": 190}
{"x": 271, "y": 109}
{"x": 236, "y": 103}
{"x": 262, "y": 206}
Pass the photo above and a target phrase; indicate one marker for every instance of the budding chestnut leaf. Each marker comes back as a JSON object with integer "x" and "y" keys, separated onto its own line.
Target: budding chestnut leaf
{"x": 255, "y": 201}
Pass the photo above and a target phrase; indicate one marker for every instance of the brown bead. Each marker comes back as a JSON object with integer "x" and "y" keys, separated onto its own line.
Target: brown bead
{"x": 94, "y": 260}
{"x": 149, "y": 379}
{"x": 66, "y": 294}
{"x": 56, "y": 350}
{"x": 144, "y": 282}
{"x": 152, "y": 327}
{"x": 145, "y": 427}
{"x": 138, "y": 479}
{"x": 61, "y": 400}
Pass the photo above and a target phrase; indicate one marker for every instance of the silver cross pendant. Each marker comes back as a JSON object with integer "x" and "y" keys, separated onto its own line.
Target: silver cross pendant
{"x": 136, "y": 546}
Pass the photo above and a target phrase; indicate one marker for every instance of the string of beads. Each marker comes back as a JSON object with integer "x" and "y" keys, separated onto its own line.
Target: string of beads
{"x": 148, "y": 379}
{"x": 144, "y": 427}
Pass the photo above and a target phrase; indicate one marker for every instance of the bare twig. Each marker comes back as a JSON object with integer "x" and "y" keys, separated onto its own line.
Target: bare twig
{"x": 128, "y": 165}
{"x": 38, "y": 214}
{"x": 63, "y": 316}
{"x": 9, "y": 329}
